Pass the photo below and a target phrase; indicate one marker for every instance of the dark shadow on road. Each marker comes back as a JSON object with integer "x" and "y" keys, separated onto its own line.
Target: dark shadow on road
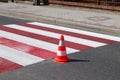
{"x": 76, "y": 60}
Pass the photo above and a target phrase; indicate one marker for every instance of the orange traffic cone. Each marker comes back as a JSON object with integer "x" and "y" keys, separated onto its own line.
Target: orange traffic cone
{"x": 61, "y": 53}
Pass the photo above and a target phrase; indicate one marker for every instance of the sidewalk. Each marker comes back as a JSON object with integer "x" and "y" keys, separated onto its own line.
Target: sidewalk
{"x": 98, "y": 20}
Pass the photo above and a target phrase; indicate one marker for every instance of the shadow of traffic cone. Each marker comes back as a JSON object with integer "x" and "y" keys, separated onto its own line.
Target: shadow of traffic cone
{"x": 61, "y": 53}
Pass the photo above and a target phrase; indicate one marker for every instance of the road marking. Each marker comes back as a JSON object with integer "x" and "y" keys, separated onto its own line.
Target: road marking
{"x": 44, "y": 38}
{"x": 29, "y": 43}
{"x": 33, "y": 42}
{"x": 18, "y": 56}
{"x": 27, "y": 48}
{"x": 104, "y": 36}
{"x": 55, "y": 35}
{"x": 6, "y": 65}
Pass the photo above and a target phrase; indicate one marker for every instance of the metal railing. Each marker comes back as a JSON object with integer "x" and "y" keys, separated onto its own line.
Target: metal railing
{"x": 103, "y": 4}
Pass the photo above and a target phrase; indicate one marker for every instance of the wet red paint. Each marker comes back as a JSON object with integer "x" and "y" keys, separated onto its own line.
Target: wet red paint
{"x": 28, "y": 48}
{"x": 45, "y": 38}
{"x": 6, "y": 65}
{"x": 3, "y": 40}
{"x": 70, "y": 33}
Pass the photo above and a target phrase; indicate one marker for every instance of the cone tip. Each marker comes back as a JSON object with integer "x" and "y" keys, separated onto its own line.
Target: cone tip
{"x": 62, "y": 37}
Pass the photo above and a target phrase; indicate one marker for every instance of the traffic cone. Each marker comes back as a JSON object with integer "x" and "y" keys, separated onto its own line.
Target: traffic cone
{"x": 61, "y": 53}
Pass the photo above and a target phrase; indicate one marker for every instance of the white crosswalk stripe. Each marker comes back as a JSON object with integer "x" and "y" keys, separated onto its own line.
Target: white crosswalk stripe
{"x": 18, "y": 56}
{"x": 78, "y": 31}
{"x": 34, "y": 42}
{"x": 41, "y": 41}
{"x": 56, "y": 35}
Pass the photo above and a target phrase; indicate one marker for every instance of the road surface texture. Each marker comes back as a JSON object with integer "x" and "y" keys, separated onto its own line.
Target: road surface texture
{"x": 94, "y": 64}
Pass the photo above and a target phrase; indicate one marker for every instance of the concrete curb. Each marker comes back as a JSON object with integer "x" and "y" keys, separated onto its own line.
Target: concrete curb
{"x": 70, "y": 23}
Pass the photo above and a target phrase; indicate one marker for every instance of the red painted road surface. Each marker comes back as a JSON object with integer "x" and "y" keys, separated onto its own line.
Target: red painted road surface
{"x": 39, "y": 42}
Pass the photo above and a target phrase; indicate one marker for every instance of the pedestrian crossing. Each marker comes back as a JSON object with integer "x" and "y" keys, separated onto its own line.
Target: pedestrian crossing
{"x": 28, "y": 43}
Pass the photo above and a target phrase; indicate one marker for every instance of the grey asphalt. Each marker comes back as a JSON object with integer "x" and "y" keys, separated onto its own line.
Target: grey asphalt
{"x": 9, "y": 20}
{"x": 101, "y": 63}
{"x": 93, "y": 19}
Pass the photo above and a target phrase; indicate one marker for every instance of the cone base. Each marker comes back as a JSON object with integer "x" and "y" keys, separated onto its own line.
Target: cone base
{"x": 61, "y": 59}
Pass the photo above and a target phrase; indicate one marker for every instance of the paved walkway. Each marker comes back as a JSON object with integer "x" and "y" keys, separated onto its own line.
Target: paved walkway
{"x": 99, "y": 20}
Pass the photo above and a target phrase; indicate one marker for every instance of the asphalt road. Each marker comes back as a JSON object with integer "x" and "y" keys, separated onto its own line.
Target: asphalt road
{"x": 9, "y": 20}
{"x": 102, "y": 63}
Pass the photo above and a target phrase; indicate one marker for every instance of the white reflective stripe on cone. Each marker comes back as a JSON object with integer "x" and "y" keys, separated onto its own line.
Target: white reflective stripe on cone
{"x": 61, "y": 53}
